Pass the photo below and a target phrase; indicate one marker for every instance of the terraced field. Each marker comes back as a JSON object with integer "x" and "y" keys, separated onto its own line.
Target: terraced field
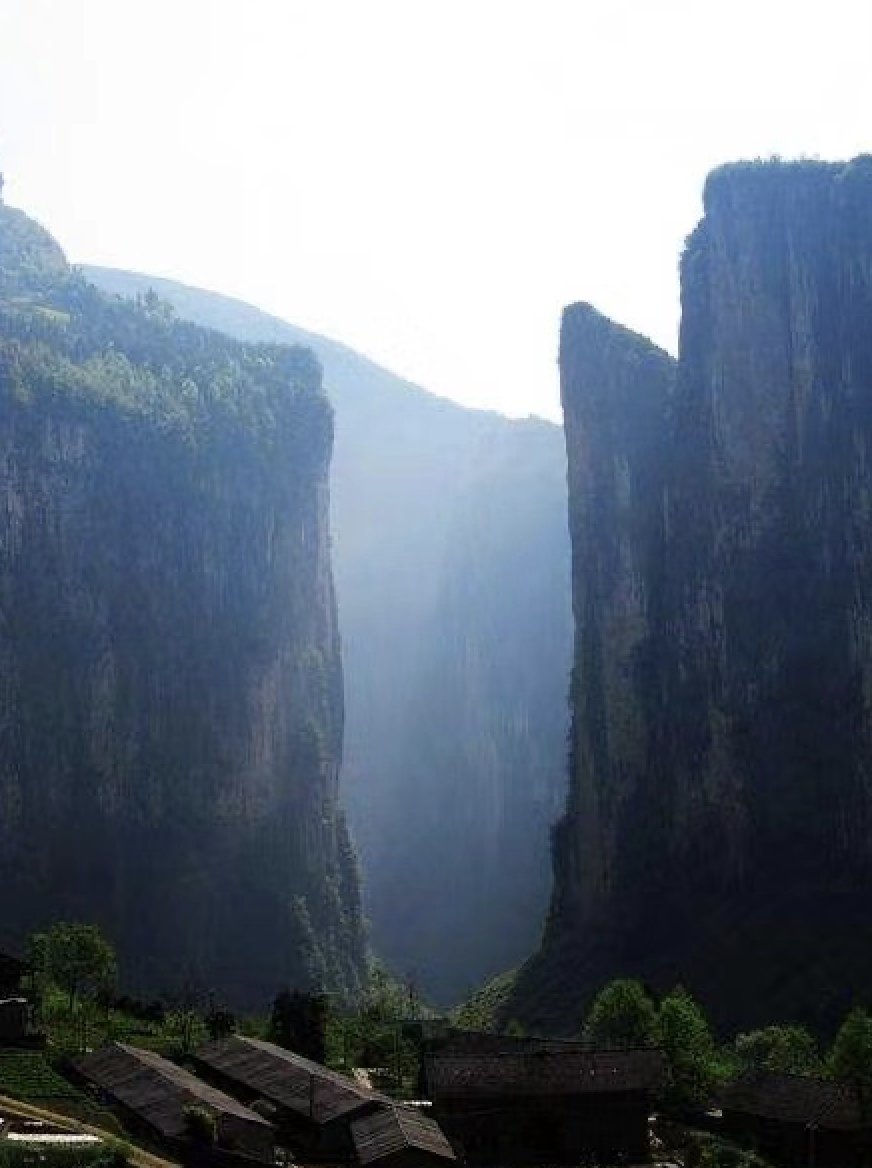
{"x": 28, "y": 1075}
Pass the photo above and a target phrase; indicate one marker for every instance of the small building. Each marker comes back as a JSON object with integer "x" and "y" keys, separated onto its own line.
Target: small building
{"x": 400, "y": 1137}
{"x": 544, "y": 1102}
{"x": 313, "y": 1106}
{"x": 156, "y": 1097}
{"x": 12, "y": 971}
{"x": 14, "y": 1020}
{"x": 795, "y": 1119}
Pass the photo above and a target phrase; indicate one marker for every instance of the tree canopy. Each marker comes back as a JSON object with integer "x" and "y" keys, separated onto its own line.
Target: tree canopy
{"x": 77, "y": 957}
{"x": 622, "y": 1015}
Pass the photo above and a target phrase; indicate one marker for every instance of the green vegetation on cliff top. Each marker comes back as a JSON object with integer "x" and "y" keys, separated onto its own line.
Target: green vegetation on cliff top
{"x": 64, "y": 339}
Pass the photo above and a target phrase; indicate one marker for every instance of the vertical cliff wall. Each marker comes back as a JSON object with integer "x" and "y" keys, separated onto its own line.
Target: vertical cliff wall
{"x": 717, "y": 831}
{"x": 452, "y": 568}
{"x": 170, "y": 684}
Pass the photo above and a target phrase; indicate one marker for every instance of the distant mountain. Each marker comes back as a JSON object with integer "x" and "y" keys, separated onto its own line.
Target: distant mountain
{"x": 170, "y": 678}
{"x": 451, "y": 555}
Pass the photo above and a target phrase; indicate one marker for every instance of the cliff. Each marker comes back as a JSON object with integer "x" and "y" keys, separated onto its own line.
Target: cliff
{"x": 170, "y": 687}
{"x": 452, "y": 570}
{"x": 717, "y": 829}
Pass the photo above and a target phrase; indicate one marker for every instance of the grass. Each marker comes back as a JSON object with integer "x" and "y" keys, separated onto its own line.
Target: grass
{"x": 28, "y": 1075}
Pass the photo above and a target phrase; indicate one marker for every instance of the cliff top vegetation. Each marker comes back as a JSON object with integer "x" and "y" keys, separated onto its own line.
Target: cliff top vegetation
{"x": 64, "y": 340}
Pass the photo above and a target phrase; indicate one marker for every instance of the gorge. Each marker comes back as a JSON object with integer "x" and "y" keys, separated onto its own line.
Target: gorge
{"x": 452, "y": 568}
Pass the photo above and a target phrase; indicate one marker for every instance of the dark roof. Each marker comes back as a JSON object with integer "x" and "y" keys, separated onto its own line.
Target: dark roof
{"x": 10, "y": 965}
{"x": 546, "y": 1071}
{"x": 480, "y": 1042}
{"x": 829, "y": 1103}
{"x": 156, "y": 1089}
{"x": 287, "y": 1079}
{"x": 394, "y": 1129}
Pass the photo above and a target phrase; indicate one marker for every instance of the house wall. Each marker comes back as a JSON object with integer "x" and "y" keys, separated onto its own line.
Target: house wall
{"x": 235, "y": 1134}
{"x": 792, "y": 1144}
{"x": 559, "y": 1130}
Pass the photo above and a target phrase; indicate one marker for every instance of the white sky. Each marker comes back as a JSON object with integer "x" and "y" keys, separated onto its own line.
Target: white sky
{"x": 429, "y": 181}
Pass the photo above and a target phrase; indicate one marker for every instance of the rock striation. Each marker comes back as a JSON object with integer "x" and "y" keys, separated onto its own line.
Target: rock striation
{"x": 171, "y": 710}
{"x": 717, "y": 830}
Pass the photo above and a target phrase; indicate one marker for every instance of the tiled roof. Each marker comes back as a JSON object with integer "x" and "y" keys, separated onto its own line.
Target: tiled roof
{"x": 478, "y": 1042}
{"x": 287, "y": 1079}
{"x": 395, "y": 1128}
{"x": 545, "y": 1071}
{"x": 829, "y": 1103}
{"x": 156, "y": 1089}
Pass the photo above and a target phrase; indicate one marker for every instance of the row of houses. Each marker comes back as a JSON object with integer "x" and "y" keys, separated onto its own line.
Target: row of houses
{"x": 501, "y": 1103}
{"x": 268, "y": 1097}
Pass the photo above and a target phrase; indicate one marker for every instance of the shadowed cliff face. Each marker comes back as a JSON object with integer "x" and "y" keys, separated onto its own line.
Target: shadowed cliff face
{"x": 170, "y": 686}
{"x": 717, "y": 831}
{"x": 452, "y": 570}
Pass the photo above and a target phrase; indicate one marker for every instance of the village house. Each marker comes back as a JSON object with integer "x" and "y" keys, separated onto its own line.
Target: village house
{"x": 15, "y": 1009}
{"x": 12, "y": 971}
{"x": 540, "y": 1102}
{"x": 313, "y": 1107}
{"x": 400, "y": 1137}
{"x": 794, "y": 1119}
{"x": 156, "y": 1099}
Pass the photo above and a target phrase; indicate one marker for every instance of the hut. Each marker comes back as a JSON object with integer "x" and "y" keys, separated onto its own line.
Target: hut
{"x": 400, "y": 1137}
{"x": 545, "y": 1102}
{"x": 12, "y": 971}
{"x": 14, "y": 1020}
{"x": 313, "y": 1106}
{"x": 158, "y": 1099}
{"x": 795, "y": 1119}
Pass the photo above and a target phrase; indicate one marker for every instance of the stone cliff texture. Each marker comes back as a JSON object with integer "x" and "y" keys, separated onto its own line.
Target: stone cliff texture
{"x": 451, "y": 557}
{"x": 717, "y": 831}
{"x": 170, "y": 683}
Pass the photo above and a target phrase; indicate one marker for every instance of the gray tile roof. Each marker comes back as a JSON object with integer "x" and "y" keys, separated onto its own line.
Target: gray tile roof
{"x": 394, "y": 1129}
{"x": 155, "y": 1089}
{"x": 828, "y": 1103}
{"x": 287, "y": 1079}
{"x": 545, "y": 1071}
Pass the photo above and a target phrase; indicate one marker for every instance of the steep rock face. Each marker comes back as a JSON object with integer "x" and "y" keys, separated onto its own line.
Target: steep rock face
{"x": 170, "y": 684}
{"x": 736, "y": 856}
{"x": 480, "y": 735}
{"x": 452, "y": 570}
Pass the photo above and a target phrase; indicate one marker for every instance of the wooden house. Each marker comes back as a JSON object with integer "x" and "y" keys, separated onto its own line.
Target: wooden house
{"x": 155, "y": 1097}
{"x": 14, "y": 1021}
{"x": 12, "y": 972}
{"x": 544, "y": 1102}
{"x": 312, "y": 1105}
{"x": 794, "y": 1119}
{"x": 400, "y": 1137}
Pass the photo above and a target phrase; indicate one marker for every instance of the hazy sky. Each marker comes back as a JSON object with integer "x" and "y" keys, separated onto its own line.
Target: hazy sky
{"x": 429, "y": 182}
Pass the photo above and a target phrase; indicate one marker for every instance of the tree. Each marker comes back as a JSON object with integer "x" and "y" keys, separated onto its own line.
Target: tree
{"x": 76, "y": 957}
{"x": 689, "y": 1047}
{"x": 220, "y": 1023}
{"x": 200, "y": 1125}
{"x": 851, "y": 1053}
{"x": 622, "y": 1014}
{"x": 787, "y": 1050}
{"x": 299, "y": 1023}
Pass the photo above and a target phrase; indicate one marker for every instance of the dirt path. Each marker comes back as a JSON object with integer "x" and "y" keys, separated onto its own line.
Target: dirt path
{"x": 139, "y": 1157}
